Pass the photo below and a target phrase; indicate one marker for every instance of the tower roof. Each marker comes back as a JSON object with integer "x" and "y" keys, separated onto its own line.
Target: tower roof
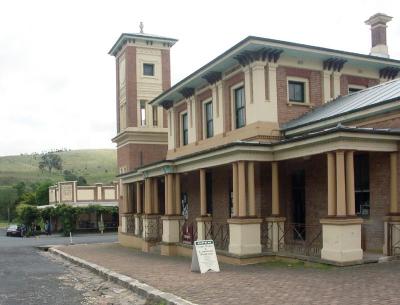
{"x": 131, "y": 37}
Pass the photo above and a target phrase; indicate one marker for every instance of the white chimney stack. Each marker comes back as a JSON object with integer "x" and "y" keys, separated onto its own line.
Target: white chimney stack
{"x": 378, "y": 34}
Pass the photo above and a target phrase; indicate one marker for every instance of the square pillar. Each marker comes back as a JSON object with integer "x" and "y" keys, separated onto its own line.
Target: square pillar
{"x": 244, "y": 236}
{"x": 171, "y": 228}
{"x": 341, "y": 239}
{"x": 276, "y": 231}
{"x": 124, "y": 224}
{"x": 203, "y": 193}
{"x": 137, "y": 224}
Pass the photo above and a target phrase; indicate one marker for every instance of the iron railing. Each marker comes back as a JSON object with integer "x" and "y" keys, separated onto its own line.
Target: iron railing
{"x": 301, "y": 239}
{"x": 154, "y": 230}
{"x": 218, "y": 231}
{"x": 393, "y": 239}
{"x": 266, "y": 241}
{"x": 130, "y": 224}
{"x": 140, "y": 231}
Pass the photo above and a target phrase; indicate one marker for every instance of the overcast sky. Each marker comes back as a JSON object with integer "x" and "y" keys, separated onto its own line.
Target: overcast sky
{"x": 57, "y": 82}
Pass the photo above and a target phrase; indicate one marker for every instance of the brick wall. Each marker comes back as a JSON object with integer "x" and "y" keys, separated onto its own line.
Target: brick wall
{"x": 227, "y": 111}
{"x": 199, "y": 112}
{"x": 136, "y": 155}
{"x": 287, "y": 112}
{"x": 379, "y": 200}
{"x": 190, "y": 184}
{"x": 391, "y": 123}
{"x": 131, "y": 89}
{"x": 166, "y": 78}
{"x": 348, "y": 80}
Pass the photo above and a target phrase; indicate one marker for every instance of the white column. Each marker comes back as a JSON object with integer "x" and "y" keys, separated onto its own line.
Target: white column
{"x": 336, "y": 83}
{"x": 326, "y": 81}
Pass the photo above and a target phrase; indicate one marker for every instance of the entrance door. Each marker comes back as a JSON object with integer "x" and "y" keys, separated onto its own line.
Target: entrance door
{"x": 299, "y": 204}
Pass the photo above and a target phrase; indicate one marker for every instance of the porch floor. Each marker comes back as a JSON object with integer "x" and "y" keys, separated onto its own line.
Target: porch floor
{"x": 267, "y": 283}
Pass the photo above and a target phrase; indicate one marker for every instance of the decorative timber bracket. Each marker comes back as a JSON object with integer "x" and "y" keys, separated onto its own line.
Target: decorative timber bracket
{"x": 334, "y": 64}
{"x": 263, "y": 54}
{"x": 389, "y": 72}
{"x": 166, "y": 104}
{"x": 187, "y": 92}
{"x": 212, "y": 77}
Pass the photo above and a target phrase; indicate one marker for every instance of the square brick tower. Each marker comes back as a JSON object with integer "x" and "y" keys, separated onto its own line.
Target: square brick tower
{"x": 142, "y": 73}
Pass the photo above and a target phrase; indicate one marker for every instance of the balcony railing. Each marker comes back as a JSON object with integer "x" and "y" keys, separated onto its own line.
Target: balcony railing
{"x": 302, "y": 239}
{"x": 130, "y": 224}
{"x": 394, "y": 239}
{"x": 218, "y": 231}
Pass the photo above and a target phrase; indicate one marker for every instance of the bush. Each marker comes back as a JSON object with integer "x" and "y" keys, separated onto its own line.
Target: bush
{"x": 28, "y": 215}
{"x": 67, "y": 215}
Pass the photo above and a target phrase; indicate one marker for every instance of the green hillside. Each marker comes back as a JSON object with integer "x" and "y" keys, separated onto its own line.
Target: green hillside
{"x": 96, "y": 165}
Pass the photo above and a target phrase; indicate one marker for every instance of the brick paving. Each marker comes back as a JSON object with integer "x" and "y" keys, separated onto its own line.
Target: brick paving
{"x": 254, "y": 284}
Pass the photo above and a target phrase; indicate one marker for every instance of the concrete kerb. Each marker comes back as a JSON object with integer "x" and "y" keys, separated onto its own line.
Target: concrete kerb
{"x": 152, "y": 294}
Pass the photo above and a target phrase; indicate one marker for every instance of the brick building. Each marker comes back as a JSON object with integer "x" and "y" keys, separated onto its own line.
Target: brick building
{"x": 272, "y": 147}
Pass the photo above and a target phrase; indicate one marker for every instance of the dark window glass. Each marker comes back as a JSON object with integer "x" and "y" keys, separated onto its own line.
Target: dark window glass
{"x": 209, "y": 120}
{"x": 209, "y": 192}
{"x": 296, "y": 92}
{"x": 185, "y": 130}
{"x": 240, "y": 115}
{"x": 352, "y": 90}
{"x": 148, "y": 69}
{"x": 361, "y": 184}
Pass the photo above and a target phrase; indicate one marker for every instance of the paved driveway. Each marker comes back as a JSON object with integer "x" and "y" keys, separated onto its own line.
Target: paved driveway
{"x": 256, "y": 284}
{"x": 26, "y": 277}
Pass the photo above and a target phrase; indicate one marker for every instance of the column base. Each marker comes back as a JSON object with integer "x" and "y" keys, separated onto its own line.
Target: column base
{"x": 244, "y": 236}
{"x": 151, "y": 230}
{"x": 341, "y": 239}
{"x": 203, "y": 225}
{"x": 137, "y": 224}
{"x": 168, "y": 250}
{"x": 276, "y": 231}
{"x": 124, "y": 226}
{"x": 171, "y": 228}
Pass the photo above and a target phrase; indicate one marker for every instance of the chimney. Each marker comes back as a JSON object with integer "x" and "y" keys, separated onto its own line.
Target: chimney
{"x": 378, "y": 34}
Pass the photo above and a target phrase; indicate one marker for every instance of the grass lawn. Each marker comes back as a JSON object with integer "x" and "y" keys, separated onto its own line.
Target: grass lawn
{"x": 3, "y": 223}
{"x": 295, "y": 264}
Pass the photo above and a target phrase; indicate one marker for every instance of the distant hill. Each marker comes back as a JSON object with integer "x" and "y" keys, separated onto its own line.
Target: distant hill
{"x": 96, "y": 165}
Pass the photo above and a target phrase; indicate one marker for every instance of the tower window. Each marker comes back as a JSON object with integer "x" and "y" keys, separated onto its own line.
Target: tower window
{"x": 143, "y": 113}
{"x": 148, "y": 69}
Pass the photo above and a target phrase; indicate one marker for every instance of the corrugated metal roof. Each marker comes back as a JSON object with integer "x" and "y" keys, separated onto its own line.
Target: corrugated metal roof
{"x": 349, "y": 103}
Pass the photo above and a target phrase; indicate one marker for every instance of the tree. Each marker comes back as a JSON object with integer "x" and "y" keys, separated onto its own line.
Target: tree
{"x": 8, "y": 197}
{"x": 28, "y": 215}
{"x": 81, "y": 181}
{"x": 70, "y": 176}
{"x": 42, "y": 192}
{"x": 49, "y": 161}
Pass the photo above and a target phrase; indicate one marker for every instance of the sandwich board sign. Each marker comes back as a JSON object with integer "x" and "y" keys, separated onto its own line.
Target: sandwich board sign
{"x": 204, "y": 257}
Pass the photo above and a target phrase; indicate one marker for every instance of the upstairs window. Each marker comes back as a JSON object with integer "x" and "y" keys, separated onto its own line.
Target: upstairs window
{"x": 185, "y": 130}
{"x": 296, "y": 92}
{"x": 209, "y": 119}
{"x": 155, "y": 116}
{"x": 240, "y": 116}
{"x": 143, "y": 113}
{"x": 148, "y": 69}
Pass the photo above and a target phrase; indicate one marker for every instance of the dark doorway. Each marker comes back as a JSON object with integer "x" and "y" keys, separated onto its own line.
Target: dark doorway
{"x": 161, "y": 195}
{"x": 299, "y": 204}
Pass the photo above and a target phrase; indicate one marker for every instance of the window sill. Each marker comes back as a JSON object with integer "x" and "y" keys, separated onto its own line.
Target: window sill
{"x": 300, "y": 104}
